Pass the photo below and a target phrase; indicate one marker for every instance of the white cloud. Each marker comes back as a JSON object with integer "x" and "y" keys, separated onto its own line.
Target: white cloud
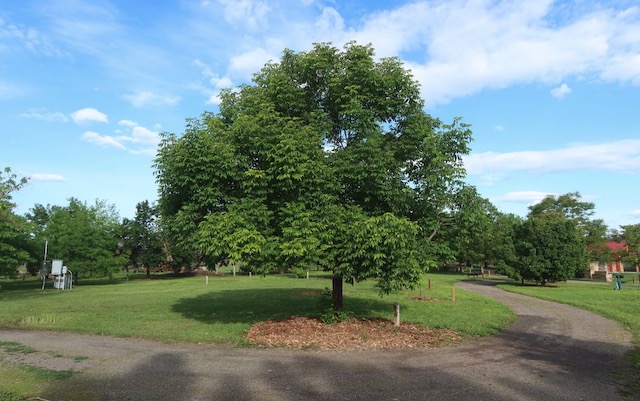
{"x": 145, "y": 136}
{"x": 148, "y": 98}
{"x": 215, "y": 83}
{"x": 139, "y": 140}
{"x": 528, "y": 197}
{"x": 330, "y": 21}
{"x": 250, "y": 13}
{"x": 29, "y": 38}
{"x": 248, "y": 63}
{"x": 88, "y": 115}
{"x": 47, "y": 177}
{"x": 635, "y": 213}
{"x": 45, "y": 115}
{"x": 460, "y": 47}
{"x": 83, "y": 25}
{"x": 621, "y": 156}
{"x": 127, "y": 123}
{"x": 103, "y": 140}
{"x": 561, "y": 91}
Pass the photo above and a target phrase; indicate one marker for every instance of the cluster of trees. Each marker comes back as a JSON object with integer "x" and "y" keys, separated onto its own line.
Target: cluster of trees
{"x": 327, "y": 161}
{"x": 91, "y": 238}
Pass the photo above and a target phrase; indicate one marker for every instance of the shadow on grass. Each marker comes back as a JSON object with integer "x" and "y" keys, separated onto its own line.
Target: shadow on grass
{"x": 257, "y": 305}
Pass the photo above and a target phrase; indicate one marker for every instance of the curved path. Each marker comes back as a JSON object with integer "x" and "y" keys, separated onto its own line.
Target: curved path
{"x": 552, "y": 352}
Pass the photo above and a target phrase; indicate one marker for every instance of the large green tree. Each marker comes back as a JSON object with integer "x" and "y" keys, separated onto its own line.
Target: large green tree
{"x": 142, "y": 239}
{"x": 15, "y": 243}
{"x": 472, "y": 223}
{"x": 84, "y": 236}
{"x": 324, "y": 146}
{"x": 571, "y": 206}
{"x": 548, "y": 249}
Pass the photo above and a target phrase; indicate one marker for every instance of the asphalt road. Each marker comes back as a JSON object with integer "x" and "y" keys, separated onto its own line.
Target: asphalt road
{"x": 552, "y": 352}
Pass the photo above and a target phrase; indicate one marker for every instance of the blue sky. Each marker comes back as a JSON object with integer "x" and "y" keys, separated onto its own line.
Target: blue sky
{"x": 551, "y": 88}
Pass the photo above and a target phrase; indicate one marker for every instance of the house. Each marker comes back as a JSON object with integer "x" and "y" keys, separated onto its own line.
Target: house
{"x": 604, "y": 269}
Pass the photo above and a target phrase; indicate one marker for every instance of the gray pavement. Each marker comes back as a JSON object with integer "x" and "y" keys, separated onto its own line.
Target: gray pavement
{"x": 552, "y": 352}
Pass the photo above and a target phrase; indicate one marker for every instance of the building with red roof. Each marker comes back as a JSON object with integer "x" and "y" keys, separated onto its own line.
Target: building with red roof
{"x": 604, "y": 269}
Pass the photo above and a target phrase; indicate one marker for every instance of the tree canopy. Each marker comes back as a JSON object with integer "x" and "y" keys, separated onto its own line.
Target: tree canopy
{"x": 571, "y": 206}
{"x": 84, "y": 236}
{"x": 631, "y": 237}
{"x": 141, "y": 239}
{"x": 324, "y": 146}
{"x": 15, "y": 245}
{"x": 551, "y": 244}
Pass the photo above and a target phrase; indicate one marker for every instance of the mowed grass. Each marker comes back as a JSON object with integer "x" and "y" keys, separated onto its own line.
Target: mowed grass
{"x": 174, "y": 310}
{"x": 187, "y": 310}
{"x": 622, "y": 306}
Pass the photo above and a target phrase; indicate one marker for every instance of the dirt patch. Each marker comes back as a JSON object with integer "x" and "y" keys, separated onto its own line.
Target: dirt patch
{"x": 356, "y": 333}
{"x": 46, "y": 360}
{"x": 425, "y": 299}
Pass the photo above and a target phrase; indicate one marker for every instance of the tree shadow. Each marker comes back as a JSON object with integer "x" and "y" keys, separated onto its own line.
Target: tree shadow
{"x": 260, "y": 304}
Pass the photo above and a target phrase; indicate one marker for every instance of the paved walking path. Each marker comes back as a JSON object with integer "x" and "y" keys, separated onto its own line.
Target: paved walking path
{"x": 552, "y": 352}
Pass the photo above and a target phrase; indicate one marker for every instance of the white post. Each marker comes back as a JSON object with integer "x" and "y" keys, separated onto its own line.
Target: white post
{"x": 396, "y": 314}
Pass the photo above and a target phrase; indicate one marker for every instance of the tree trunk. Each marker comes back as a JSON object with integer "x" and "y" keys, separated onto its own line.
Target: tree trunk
{"x": 337, "y": 292}
{"x": 148, "y": 272}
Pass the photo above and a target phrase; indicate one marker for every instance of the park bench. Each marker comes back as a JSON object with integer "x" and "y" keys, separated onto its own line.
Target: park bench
{"x": 474, "y": 272}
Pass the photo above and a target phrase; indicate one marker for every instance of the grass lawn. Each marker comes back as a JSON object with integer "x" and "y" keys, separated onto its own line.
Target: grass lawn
{"x": 186, "y": 310}
{"x": 623, "y": 306}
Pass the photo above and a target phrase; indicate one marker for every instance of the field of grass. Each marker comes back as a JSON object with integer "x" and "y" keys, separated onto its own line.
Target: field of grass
{"x": 185, "y": 309}
{"x": 623, "y": 306}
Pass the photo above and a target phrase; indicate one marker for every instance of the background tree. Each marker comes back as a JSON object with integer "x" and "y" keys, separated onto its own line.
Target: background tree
{"x": 16, "y": 246}
{"x": 630, "y": 235}
{"x": 500, "y": 240}
{"x": 570, "y": 206}
{"x": 323, "y": 141}
{"x": 84, "y": 237}
{"x": 471, "y": 223}
{"x": 142, "y": 239}
{"x": 548, "y": 249}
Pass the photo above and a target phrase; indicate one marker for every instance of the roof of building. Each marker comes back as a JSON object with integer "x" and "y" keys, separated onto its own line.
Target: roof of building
{"x": 615, "y": 246}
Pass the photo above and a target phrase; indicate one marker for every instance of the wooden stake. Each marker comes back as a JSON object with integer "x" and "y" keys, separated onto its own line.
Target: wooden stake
{"x": 429, "y": 283}
{"x": 396, "y": 314}
{"x": 453, "y": 294}
{"x": 206, "y": 280}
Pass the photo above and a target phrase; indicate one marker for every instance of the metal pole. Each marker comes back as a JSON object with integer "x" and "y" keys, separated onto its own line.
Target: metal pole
{"x": 44, "y": 262}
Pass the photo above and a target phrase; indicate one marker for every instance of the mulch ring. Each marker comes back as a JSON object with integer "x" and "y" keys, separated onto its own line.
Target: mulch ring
{"x": 355, "y": 333}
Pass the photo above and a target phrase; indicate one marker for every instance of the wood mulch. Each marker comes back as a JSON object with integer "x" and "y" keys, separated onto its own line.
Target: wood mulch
{"x": 356, "y": 334}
